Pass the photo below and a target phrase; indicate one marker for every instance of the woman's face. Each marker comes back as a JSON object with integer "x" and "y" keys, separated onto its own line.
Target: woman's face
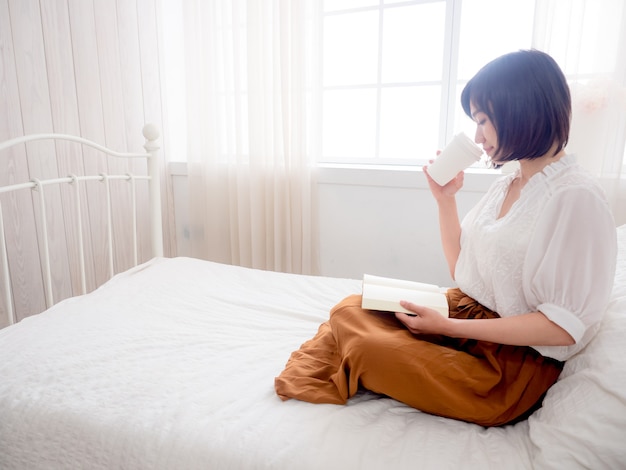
{"x": 485, "y": 131}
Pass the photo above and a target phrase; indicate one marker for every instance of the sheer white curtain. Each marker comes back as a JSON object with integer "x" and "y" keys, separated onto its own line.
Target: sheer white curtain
{"x": 588, "y": 39}
{"x": 250, "y": 85}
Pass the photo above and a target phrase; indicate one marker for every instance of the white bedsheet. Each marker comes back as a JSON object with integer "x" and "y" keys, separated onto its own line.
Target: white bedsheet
{"x": 171, "y": 366}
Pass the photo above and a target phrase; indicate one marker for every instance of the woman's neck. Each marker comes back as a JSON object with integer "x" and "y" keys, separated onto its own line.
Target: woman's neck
{"x": 529, "y": 168}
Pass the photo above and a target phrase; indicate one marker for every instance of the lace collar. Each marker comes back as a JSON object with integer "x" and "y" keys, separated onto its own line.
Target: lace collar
{"x": 547, "y": 172}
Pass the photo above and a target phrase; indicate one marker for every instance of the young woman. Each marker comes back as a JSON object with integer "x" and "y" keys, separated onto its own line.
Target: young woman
{"x": 534, "y": 263}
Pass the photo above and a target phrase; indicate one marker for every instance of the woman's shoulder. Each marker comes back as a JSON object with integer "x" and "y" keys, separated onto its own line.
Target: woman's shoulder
{"x": 569, "y": 176}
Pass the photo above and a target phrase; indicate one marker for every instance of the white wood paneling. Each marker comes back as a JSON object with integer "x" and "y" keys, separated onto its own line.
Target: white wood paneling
{"x": 130, "y": 65}
{"x": 25, "y": 269}
{"x": 83, "y": 67}
{"x": 107, "y": 40}
{"x": 34, "y": 95}
{"x": 91, "y": 119}
{"x": 64, "y": 107}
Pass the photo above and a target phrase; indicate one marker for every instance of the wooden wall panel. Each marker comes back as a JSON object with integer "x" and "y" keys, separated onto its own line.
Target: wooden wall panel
{"x": 130, "y": 63}
{"x": 113, "y": 116}
{"x": 25, "y": 270}
{"x": 64, "y": 108}
{"x": 87, "y": 67}
{"x": 30, "y": 65}
{"x": 89, "y": 98}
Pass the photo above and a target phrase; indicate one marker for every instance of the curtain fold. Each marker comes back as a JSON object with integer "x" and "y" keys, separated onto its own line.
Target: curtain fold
{"x": 588, "y": 39}
{"x": 250, "y": 78}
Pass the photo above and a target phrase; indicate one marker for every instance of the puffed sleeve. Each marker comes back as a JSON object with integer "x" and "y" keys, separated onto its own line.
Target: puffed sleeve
{"x": 570, "y": 265}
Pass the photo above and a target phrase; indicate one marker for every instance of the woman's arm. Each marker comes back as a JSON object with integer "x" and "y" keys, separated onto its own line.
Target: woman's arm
{"x": 450, "y": 229}
{"x": 449, "y": 225}
{"x": 529, "y": 329}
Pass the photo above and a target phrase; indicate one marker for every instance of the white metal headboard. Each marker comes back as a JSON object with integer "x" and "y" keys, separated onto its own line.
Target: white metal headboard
{"x": 151, "y": 134}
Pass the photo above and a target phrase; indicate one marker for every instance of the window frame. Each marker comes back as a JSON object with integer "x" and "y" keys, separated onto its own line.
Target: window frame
{"x": 449, "y": 82}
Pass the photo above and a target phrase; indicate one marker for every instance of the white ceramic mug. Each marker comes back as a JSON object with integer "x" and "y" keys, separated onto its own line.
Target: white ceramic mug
{"x": 459, "y": 154}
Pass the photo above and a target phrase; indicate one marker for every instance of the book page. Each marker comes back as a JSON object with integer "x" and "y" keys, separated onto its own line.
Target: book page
{"x": 385, "y": 298}
{"x": 400, "y": 283}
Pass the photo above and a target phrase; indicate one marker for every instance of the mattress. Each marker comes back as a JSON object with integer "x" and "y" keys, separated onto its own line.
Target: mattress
{"x": 171, "y": 365}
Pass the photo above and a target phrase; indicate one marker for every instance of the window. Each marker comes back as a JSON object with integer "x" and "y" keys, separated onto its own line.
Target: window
{"x": 384, "y": 77}
{"x": 393, "y": 72}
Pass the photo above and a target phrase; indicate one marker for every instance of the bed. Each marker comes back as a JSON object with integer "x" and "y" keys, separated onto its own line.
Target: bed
{"x": 170, "y": 364}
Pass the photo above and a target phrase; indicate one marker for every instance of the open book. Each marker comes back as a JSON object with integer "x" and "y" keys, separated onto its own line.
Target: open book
{"x": 383, "y": 293}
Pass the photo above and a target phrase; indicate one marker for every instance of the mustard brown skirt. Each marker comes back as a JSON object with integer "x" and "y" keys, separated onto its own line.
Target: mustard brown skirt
{"x": 476, "y": 381}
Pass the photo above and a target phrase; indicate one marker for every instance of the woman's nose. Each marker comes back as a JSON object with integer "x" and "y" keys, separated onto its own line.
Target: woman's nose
{"x": 478, "y": 136}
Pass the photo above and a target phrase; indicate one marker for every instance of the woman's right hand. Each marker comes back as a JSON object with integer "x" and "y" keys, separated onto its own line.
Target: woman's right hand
{"x": 449, "y": 189}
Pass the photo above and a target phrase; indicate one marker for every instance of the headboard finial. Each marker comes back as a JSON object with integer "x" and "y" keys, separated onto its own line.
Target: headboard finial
{"x": 151, "y": 132}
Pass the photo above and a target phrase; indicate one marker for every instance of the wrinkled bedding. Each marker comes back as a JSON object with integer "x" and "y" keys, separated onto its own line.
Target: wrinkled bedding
{"x": 171, "y": 365}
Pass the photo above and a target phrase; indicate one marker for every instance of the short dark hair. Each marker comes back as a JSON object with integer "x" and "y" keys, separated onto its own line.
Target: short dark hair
{"x": 527, "y": 99}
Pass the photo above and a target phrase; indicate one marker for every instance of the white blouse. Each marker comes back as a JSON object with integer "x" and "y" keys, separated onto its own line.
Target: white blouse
{"x": 553, "y": 252}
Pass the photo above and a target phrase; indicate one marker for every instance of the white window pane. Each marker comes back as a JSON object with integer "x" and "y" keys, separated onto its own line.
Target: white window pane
{"x": 410, "y": 122}
{"x": 351, "y": 49}
{"x": 490, "y": 28}
{"x": 462, "y": 122}
{"x": 349, "y": 124}
{"x": 335, "y": 5}
{"x": 413, "y": 40}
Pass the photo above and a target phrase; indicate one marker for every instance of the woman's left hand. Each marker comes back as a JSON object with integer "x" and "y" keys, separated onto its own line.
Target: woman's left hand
{"x": 527, "y": 329}
{"x": 425, "y": 321}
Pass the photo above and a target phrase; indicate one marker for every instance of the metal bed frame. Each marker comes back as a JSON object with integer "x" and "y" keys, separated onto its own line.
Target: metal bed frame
{"x": 151, "y": 135}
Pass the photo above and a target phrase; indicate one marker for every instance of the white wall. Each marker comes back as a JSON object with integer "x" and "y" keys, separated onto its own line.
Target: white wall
{"x": 384, "y": 221}
{"x": 374, "y": 220}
